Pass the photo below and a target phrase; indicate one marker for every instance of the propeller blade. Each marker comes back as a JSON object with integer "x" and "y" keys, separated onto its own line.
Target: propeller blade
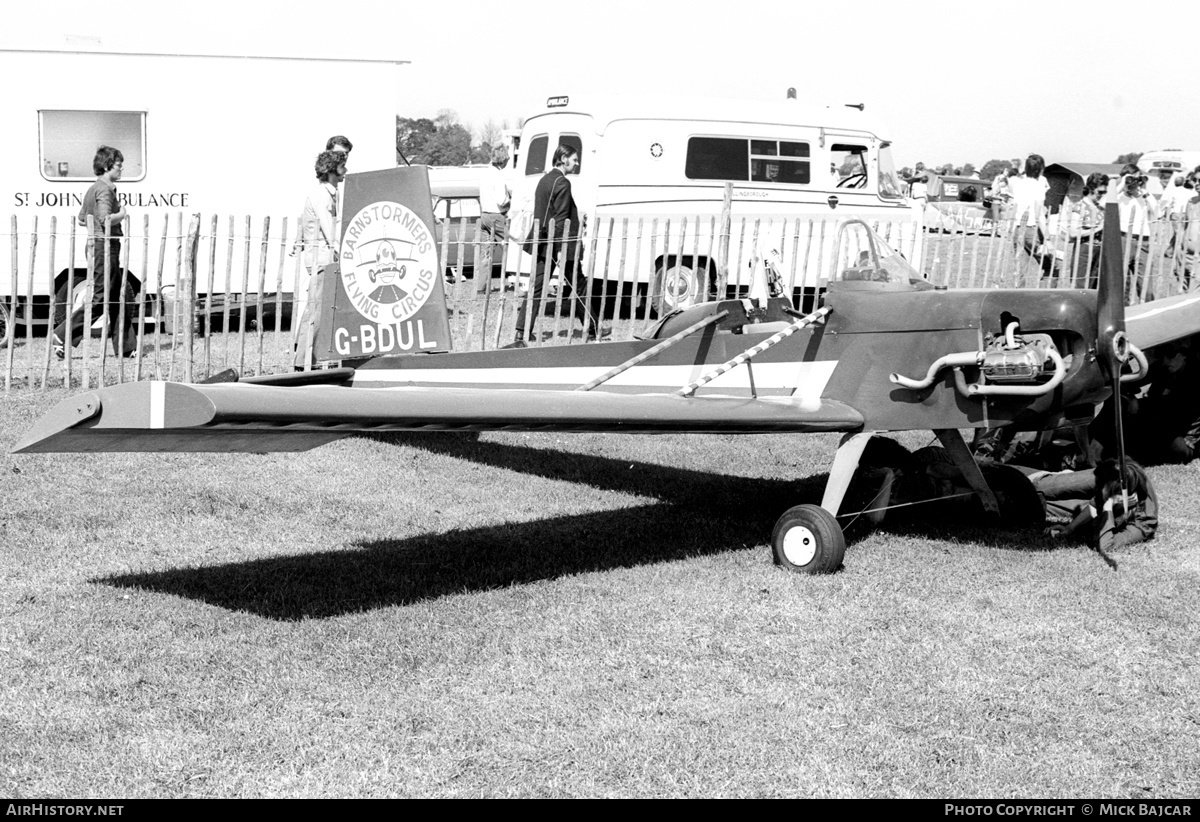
{"x": 1112, "y": 347}
{"x": 1110, "y": 300}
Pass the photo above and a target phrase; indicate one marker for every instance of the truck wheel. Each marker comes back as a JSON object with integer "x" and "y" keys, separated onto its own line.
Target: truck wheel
{"x": 679, "y": 285}
{"x": 5, "y": 326}
{"x": 61, "y": 309}
{"x": 808, "y": 540}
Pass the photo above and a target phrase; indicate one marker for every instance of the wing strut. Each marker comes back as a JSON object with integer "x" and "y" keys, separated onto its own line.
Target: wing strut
{"x": 655, "y": 351}
{"x": 749, "y": 353}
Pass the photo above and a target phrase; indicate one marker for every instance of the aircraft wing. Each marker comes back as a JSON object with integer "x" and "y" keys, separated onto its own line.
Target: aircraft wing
{"x": 166, "y": 416}
{"x": 1161, "y": 321}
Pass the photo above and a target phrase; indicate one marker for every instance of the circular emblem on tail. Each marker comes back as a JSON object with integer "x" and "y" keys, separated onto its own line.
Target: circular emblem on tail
{"x": 388, "y": 262}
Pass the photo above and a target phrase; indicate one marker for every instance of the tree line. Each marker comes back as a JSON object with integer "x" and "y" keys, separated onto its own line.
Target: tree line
{"x": 443, "y": 141}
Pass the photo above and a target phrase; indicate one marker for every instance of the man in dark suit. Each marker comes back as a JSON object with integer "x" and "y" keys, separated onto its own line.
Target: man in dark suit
{"x": 554, "y": 206}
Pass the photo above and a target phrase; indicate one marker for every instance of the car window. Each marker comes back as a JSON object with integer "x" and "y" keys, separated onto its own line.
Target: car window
{"x": 456, "y": 208}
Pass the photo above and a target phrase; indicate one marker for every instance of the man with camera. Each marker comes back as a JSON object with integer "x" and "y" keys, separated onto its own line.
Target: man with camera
{"x": 1137, "y": 209}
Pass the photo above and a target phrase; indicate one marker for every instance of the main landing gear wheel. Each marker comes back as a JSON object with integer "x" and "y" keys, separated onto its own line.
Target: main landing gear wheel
{"x": 808, "y": 540}
{"x": 680, "y": 286}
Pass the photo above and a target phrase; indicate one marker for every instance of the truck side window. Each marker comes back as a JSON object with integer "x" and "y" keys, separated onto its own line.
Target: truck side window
{"x": 575, "y": 142}
{"x": 779, "y": 162}
{"x": 68, "y": 141}
{"x": 717, "y": 158}
{"x": 535, "y": 158}
{"x": 762, "y": 161}
{"x": 848, "y": 166}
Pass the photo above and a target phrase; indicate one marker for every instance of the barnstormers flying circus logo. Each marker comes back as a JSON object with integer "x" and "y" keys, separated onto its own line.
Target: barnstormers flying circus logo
{"x": 388, "y": 262}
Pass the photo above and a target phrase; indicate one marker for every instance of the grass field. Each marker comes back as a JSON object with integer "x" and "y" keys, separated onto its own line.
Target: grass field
{"x": 565, "y": 615}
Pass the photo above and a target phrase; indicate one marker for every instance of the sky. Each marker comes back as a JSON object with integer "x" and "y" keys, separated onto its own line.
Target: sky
{"x": 950, "y": 82}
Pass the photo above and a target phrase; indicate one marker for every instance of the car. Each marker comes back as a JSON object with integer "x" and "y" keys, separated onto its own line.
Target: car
{"x": 456, "y": 209}
{"x": 957, "y": 205}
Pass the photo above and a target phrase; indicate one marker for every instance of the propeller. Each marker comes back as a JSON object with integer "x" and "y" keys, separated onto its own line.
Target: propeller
{"x": 1112, "y": 345}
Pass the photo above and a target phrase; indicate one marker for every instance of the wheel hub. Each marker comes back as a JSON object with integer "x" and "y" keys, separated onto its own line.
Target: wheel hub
{"x": 679, "y": 286}
{"x": 799, "y": 545}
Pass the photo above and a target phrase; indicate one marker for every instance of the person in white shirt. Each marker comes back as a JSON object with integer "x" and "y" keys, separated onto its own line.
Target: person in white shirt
{"x": 318, "y": 243}
{"x": 1137, "y": 209}
{"x": 1028, "y": 205}
{"x": 494, "y": 201}
{"x": 1175, "y": 200}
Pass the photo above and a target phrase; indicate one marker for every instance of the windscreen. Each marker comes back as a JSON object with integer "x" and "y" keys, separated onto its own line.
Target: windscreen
{"x": 889, "y": 179}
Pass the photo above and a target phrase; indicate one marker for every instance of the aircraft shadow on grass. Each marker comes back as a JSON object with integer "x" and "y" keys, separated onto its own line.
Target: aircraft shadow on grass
{"x": 697, "y": 514}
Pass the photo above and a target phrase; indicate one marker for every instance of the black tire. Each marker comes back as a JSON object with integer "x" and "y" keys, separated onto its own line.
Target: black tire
{"x": 5, "y": 326}
{"x": 61, "y": 309}
{"x": 808, "y": 540}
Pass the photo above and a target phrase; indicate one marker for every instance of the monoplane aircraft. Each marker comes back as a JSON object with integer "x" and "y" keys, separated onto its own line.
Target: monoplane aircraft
{"x": 886, "y": 351}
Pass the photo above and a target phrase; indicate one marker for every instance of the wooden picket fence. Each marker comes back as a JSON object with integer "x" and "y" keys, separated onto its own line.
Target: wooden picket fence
{"x": 217, "y": 293}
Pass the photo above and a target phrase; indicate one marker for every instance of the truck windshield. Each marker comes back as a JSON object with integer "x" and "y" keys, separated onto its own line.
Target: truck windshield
{"x": 889, "y": 180}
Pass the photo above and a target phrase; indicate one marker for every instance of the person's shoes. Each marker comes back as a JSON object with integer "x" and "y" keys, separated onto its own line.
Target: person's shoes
{"x": 517, "y": 343}
{"x": 60, "y": 350}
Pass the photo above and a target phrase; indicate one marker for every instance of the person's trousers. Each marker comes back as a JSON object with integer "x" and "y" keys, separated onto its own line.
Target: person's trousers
{"x": 493, "y": 229}
{"x": 107, "y": 287}
{"x": 547, "y": 259}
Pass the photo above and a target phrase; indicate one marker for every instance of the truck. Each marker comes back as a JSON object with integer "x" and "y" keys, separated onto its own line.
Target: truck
{"x": 658, "y": 173}
{"x": 1165, "y": 163}
{"x": 230, "y": 137}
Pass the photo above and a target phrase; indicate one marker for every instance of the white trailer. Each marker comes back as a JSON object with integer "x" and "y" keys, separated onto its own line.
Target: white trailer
{"x": 653, "y": 177}
{"x": 230, "y": 137}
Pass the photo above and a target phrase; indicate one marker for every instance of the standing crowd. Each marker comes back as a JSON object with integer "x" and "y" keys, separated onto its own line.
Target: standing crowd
{"x": 1159, "y": 224}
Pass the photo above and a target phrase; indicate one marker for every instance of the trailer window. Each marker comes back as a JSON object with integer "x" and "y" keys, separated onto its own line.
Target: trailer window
{"x": 535, "y": 158}
{"x": 69, "y": 139}
{"x": 764, "y": 161}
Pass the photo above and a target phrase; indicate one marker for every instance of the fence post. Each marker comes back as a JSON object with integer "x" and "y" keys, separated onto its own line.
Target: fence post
{"x": 723, "y": 246}
{"x": 46, "y": 355}
{"x": 225, "y": 301}
{"x": 12, "y": 337}
{"x": 68, "y": 304}
{"x": 244, "y": 289}
{"x": 283, "y": 236}
{"x": 262, "y": 287}
{"x": 162, "y": 259}
{"x": 191, "y": 247}
{"x": 141, "y": 321}
{"x": 33, "y": 240}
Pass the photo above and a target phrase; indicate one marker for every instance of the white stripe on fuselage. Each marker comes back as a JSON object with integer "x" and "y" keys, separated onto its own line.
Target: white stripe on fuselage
{"x": 806, "y": 380}
{"x": 158, "y": 403}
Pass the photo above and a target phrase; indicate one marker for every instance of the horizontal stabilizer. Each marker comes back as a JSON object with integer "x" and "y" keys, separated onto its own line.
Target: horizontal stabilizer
{"x": 162, "y": 416}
